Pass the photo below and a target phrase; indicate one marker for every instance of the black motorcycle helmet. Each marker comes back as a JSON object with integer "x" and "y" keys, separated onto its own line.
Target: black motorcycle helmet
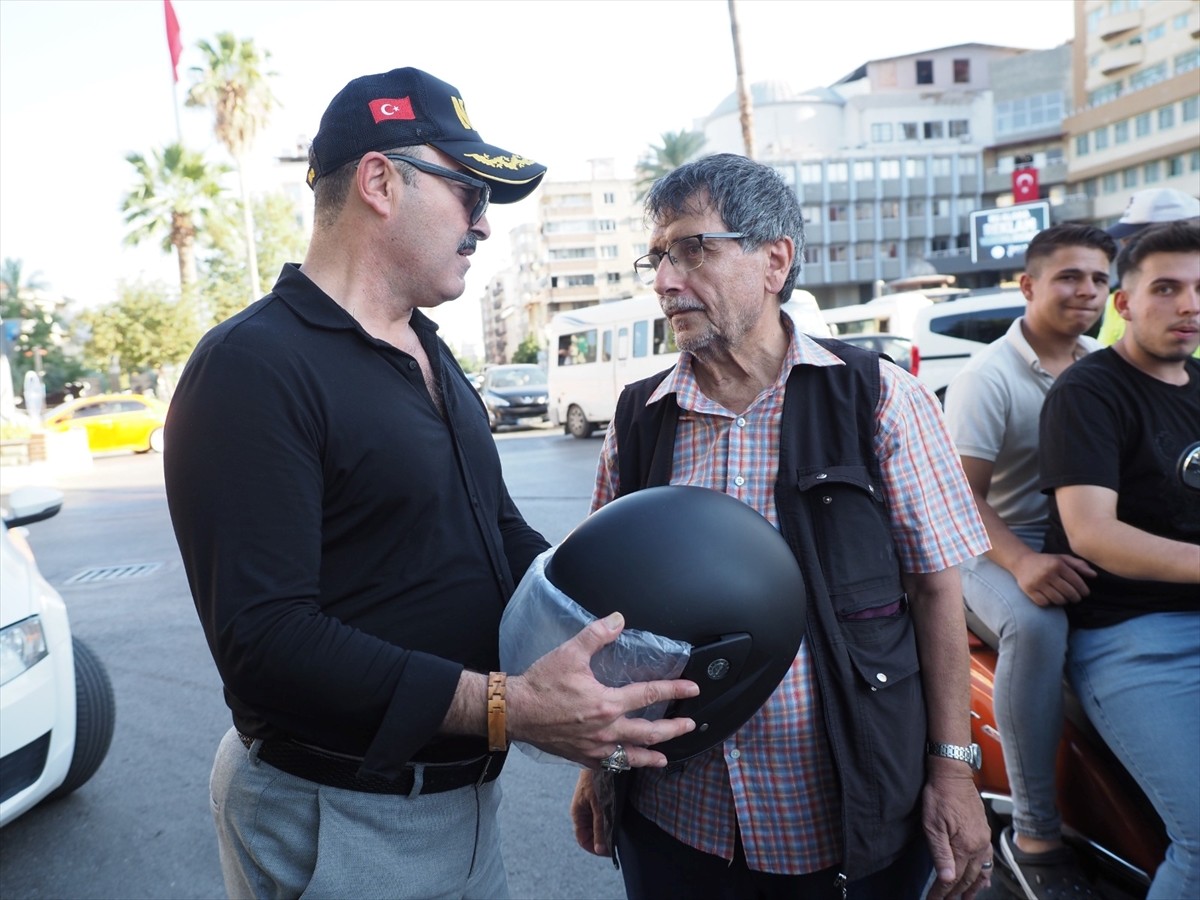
{"x": 698, "y": 566}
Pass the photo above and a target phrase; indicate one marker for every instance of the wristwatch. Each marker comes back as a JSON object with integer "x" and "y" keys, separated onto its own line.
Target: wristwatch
{"x": 969, "y": 754}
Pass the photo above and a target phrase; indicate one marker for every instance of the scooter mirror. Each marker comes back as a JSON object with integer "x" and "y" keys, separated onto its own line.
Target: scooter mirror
{"x": 1189, "y": 467}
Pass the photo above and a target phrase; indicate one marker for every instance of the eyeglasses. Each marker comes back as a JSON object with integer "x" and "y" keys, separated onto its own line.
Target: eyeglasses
{"x": 685, "y": 254}
{"x": 477, "y": 202}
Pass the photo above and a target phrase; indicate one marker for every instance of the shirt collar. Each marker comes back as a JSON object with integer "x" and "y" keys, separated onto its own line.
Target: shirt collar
{"x": 1016, "y": 338}
{"x": 802, "y": 351}
{"x": 320, "y": 310}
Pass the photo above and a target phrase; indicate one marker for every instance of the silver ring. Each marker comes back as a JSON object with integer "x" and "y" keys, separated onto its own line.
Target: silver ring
{"x": 617, "y": 761}
{"x": 985, "y": 866}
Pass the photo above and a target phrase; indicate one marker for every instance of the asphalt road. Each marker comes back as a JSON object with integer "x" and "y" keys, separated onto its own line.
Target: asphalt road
{"x": 141, "y": 827}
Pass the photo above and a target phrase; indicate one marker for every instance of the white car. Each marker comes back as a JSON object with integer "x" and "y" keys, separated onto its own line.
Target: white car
{"x": 56, "y": 701}
{"x": 946, "y": 335}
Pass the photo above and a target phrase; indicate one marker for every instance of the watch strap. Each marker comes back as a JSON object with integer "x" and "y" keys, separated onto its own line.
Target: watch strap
{"x": 497, "y": 710}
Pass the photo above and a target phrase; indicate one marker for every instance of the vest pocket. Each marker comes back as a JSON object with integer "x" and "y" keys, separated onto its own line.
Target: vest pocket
{"x": 853, "y": 535}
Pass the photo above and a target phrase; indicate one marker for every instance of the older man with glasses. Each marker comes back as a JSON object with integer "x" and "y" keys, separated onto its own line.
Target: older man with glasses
{"x": 858, "y": 767}
{"x": 350, "y": 543}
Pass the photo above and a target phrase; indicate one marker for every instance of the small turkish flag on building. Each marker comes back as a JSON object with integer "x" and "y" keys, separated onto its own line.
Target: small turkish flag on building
{"x": 1024, "y": 185}
{"x": 174, "y": 44}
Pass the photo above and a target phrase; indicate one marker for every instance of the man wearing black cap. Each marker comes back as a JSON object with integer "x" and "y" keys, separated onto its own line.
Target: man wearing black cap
{"x": 350, "y": 543}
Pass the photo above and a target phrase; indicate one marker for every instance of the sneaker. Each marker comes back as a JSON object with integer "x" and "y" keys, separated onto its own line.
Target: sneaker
{"x": 1053, "y": 875}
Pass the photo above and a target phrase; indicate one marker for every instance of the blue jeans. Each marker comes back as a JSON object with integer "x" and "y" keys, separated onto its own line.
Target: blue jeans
{"x": 283, "y": 836}
{"x": 1140, "y": 684}
{"x": 1027, "y": 693}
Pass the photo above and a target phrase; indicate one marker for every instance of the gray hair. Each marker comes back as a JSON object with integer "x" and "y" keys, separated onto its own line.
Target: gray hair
{"x": 749, "y": 196}
{"x": 331, "y": 190}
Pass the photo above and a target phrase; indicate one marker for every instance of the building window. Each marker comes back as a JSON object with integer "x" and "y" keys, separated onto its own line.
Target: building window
{"x": 606, "y": 225}
{"x": 1109, "y": 183}
{"x": 1141, "y": 125}
{"x": 934, "y": 130}
{"x": 908, "y": 131}
{"x": 1093, "y": 20}
{"x": 916, "y": 208}
{"x": 1151, "y": 172}
{"x": 1185, "y": 62}
{"x": 1149, "y": 76}
{"x": 837, "y": 172}
{"x": 864, "y": 209}
{"x": 890, "y": 249}
{"x": 938, "y": 244}
{"x": 864, "y": 251}
{"x": 889, "y": 168}
{"x": 1116, "y": 6}
{"x": 810, "y": 173}
{"x": 889, "y": 209}
{"x": 960, "y": 127}
{"x": 967, "y": 165}
{"x": 962, "y": 71}
{"x": 609, "y": 198}
{"x": 924, "y": 71}
{"x": 1129, "y": 178}
{"x": 839, "y": 212}
{"x": 812, "y": 255}
{"x": 1180, "y": 22}
{"x": 609, "y": 251}
{"x": 940, "y": 166}
{"x": 839, "y": 253}
{"x": 1191, "y": 109}
{"x": 914, "y": 168}
{"x": 1106, "y": 94}
{"x": 1081, "y": 145}
{"x": 811, "y": 214}
{"x": 1155, "y": 33}
{"x": 941, "y": 208}
{"x": 881, "y": 132}
{"x": 580, "y": 280}
{"x": 1195, "y": 160}
{"x": 1100, "y": 138}
{"x": 864, "y": 170}
{"x": 1121, "y": 131}
{"x": 1166, "y": 117}
{"x": 573, "y": 253}
{"x": 1174, "y": 166}
{"x": 916, "y": 249}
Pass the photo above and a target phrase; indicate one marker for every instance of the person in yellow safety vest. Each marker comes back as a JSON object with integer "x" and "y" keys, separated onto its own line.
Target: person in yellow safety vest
{"x": 1149, "y": 207}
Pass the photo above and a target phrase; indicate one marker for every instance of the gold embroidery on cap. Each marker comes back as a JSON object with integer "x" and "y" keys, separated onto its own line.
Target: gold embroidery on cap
{"x": 502, "y": 162}
{"x": 460, "y": 110}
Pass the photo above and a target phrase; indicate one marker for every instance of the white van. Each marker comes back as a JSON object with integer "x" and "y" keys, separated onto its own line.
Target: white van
{"x": 595, "y": 351}
{"x": 946, "y": 335}
{"x": 889, "y": 314}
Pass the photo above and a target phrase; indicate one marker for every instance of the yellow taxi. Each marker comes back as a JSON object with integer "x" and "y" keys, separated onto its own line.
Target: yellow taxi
{"x": 113, "y": 421}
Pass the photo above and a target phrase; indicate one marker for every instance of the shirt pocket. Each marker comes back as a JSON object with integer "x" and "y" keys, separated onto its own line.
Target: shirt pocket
{"x": 853, "y": 537}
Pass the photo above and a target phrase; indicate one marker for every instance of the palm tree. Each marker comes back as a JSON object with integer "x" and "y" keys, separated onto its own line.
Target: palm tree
{"x": 676, "y": 149}
{"x": 14, "y": 285}
{"x": 175, "y": 190}
{"x": 234, "y": 86}
{"x": 745, "y": 110}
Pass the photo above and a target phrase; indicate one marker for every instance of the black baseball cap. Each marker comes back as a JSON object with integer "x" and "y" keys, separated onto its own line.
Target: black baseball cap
{"x": 405, "y": 107}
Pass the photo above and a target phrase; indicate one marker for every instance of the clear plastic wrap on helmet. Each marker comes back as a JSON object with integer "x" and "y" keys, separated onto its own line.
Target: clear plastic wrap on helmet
{"x": 539, "y": 617}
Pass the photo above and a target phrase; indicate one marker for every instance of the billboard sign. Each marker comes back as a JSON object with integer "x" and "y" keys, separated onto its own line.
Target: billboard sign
{"x": 1000, "y": 234}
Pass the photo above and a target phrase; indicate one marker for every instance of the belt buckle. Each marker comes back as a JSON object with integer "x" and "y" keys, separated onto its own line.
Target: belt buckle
{"x": 487, "y": 765}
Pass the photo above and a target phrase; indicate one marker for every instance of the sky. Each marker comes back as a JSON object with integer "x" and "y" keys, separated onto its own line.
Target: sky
{"x": 85, "y": 82}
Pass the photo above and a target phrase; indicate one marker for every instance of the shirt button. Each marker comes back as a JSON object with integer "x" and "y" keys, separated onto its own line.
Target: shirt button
{"x": 412, "y": 364}
{"x": 735, "y": 753}
{"x": 739, "y": 481}
{"x": 880, "y": 677}
{"x": 741, "y": 421}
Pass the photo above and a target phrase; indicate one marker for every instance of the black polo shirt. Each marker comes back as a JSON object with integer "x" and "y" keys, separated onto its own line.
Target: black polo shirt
{"x": 349, "y": 550}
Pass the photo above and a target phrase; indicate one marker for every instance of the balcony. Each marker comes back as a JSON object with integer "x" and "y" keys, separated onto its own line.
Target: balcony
{"x": 1074, "y": 208}
{"x": 1113, "y": 61}
{"x": 1116, "y": 25}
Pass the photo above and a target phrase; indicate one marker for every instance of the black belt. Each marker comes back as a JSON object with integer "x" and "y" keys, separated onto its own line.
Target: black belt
{"x": 335, "y": 770}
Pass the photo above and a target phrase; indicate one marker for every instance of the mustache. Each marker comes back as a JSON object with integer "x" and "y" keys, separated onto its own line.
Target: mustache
{"x": 677, "y": 304}
{"x": 467, "y": 245}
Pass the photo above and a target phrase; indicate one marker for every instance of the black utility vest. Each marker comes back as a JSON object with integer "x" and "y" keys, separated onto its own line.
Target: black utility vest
{"x": 829, "y": 497}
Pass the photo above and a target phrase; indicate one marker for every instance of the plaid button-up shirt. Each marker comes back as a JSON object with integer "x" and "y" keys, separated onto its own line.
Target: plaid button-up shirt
{"x": 773, "y": 780}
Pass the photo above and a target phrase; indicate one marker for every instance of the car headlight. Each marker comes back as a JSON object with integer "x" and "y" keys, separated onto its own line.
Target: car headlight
{"x": 542, "y": 398}
{"x": 497, "y": 400}
{"x": 22, "y": 644}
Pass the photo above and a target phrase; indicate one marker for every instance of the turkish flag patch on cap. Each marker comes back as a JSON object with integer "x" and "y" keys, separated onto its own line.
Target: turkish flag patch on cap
{"x": 392, "y": 109}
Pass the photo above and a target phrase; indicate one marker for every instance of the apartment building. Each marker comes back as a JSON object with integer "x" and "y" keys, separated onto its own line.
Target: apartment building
{"x": 1136, "y": 76}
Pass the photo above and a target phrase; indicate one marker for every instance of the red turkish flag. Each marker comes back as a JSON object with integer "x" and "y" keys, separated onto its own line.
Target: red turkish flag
{"x": 174, "y": 44}
{"x": 1024, "y": 185}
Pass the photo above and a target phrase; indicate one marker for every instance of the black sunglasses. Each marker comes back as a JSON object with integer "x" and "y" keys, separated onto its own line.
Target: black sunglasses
{"x": 484, "y": 192}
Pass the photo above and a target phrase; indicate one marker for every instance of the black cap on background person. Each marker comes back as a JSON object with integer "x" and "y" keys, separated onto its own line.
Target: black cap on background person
{"x": 405, "y": 107}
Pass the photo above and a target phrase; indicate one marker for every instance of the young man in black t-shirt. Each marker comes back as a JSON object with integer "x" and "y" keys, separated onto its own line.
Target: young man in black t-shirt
{"x": 1112, "y": 431}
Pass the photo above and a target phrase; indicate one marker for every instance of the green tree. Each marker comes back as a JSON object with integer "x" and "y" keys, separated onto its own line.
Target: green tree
{"x": 233, "y": 84}
{"x": 677, "y": 148}
{"x": 175, "y": 191}
{"x": 144, "y": 329}
{"x": 527, "y": 350}
{"x": 42, "y": 339}
{"x": 279, "y": 236}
